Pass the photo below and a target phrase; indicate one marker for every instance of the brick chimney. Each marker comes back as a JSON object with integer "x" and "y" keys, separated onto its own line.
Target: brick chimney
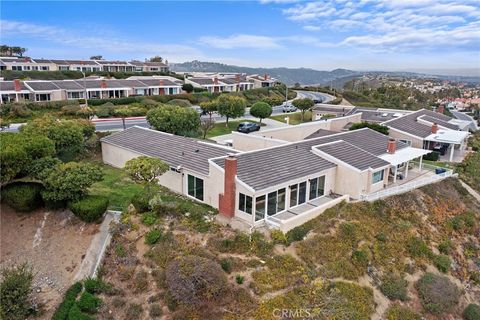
{"x": 162, "y": 83}
{"x": 434, "y": 128}
{"x": 17, "y": 85}
{"x": 391, "y": 146}
{"x": 227, "y": 198}
{"x": 441, "y": 109}
{"x": 103, "y": 84}
{"x": 237, "y": 77}
{"x": 266, "y": 76}
{"x": 215, "y": 80}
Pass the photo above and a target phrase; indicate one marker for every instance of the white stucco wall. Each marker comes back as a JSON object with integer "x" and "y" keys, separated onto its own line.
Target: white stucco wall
{"x": 249, "y": 142}
{"x": 416, "y": 142}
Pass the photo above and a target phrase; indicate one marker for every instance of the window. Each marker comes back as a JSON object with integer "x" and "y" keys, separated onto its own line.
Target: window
{"x": 317, "y": 187}
{"x": 259, "y": 208}
{"x": 245, "y": 203}
{"x": 298, "y": 194}
{"x": 45, "y": 68}
{"x": 75, "y": 95}
{"x": 195, "y": 187}
{"x": 18, "y": 68}
{"x": 407, "y": 142}
{"x": 377, "y": 176}
{"x": 42, "y": 97}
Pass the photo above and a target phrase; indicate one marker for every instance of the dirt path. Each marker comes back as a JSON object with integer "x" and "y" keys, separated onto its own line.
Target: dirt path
{"x": 54, "y": 243}
{"x": 470, "y": 190}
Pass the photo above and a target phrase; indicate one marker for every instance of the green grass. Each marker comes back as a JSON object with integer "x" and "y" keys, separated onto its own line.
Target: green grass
{"x": 295, "y": 118}
{"x": 220, "y": 128}
{"x": 116, "y": 186}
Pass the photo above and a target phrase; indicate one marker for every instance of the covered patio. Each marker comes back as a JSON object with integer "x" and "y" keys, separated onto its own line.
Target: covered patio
{"x": 450, "y": 142}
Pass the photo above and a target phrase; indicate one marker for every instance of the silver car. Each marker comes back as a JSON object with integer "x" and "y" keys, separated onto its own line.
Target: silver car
{"x": 288, "y": 108}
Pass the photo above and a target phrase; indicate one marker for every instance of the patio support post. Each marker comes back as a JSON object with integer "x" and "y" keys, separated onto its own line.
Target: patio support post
{"x": 406, "y": 170}
{"x": 420, "y": 164}
{"x": 395, "y": 174}
{"x": 451, "y": 152}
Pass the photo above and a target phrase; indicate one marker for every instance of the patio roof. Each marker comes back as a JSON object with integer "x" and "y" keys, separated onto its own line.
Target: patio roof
{"x": 404, "y": 155}
{"x": 448, "y": 136}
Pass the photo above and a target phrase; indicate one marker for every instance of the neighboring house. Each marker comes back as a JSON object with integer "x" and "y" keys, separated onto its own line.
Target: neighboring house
{"x": 281, "y": 186}
{"x": 29, "y": 64}
{"x": 432, "y": 131}
{"x": 221, "y": 84}
{"x": 55, "y": 90}
{"x": 264, "y": 81}
{"x": 321, "y": 110}
{"x": 378, "y": 115}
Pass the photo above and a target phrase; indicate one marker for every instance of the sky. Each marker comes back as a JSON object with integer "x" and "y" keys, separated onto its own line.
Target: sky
{"x": 438, "y": 36}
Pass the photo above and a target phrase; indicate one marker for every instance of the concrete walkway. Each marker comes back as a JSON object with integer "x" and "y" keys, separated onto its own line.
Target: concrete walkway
{"x": 96, "y": 251}
{"x": 470, "y": 190}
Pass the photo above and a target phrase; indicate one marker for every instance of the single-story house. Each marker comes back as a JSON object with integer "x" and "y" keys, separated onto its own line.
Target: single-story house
{"x": 281, "y": 186}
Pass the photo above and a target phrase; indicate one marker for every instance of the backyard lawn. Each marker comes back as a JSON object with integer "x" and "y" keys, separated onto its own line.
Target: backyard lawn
{"x": 116, "y": 186}
{"x": 295, "y": 118}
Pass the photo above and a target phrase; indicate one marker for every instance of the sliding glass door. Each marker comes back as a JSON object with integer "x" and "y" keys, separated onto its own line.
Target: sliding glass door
{"x": 298, "y": 194}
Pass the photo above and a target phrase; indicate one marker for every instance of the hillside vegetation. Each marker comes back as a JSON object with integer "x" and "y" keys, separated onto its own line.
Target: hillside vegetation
{"x": 411, "y": 255}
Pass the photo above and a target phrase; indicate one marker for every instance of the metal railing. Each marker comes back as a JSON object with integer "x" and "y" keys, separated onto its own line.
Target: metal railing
{"x": 414, "y": 184}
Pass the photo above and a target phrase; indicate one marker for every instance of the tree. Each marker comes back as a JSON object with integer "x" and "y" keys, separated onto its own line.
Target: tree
{"x": 206, "y": 125}
{"x": 174, "y": 119}
{"x": 96, "y": 57}
{"x": 15, "y": 290}
{"x": 156, "y": 59}
{"x": 303, "y": 105}
{"x": 19, "y": 150}
{"x": 261, "y": 110}
{"x": 230, "y": 106}
{"x": 123, "y": 112}
{"x": 145, "y": 169}
{"x": 69, "y": 136}
{"x": 209, "y": 107}
{"x": 194, "y": 280}
{"x": 374, "y": 126}
{"x": 70, "y": 181}
{"x": 187, "y": 87}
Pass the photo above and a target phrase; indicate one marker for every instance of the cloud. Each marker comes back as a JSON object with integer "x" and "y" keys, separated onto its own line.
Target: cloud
{"x": 392, "y": 24}
{"x": 77, "y": 39}
{"x": 240, "y": 41}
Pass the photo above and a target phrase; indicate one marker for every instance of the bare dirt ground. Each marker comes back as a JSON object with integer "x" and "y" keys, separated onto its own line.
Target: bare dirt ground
{"x": 54, "y": 243}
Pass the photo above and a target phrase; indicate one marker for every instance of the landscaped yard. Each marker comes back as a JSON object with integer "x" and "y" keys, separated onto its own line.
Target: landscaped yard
{"x": 116, "y": 186}
{"x": 295, "y": 118}
{"x": 221, "y": 129}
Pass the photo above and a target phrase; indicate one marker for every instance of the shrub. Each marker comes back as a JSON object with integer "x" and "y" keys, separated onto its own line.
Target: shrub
{"x": 134, "y": 311}
{"x": 239, "y": 279}
{"x": 141, "y": 199}
{"x": 88, "y": 302}
{"x": 226, "y": 265}
{"x": 90, "y": 208}
{"x": 153, "y": 236}
{"x": 438, "y": 295}
{"x": 180, "y": 103}
{"x": 15, "y": 291}
{"x": 418, "y": 248}
{"x": 298, "y": 233}
{"x": 155, "y": 311}
{"x": 442, "y": 262}
{"x": 445, "y": 246}
{"x": 432, "y": 156}
{"x": 194, "y": 280}
{"x": 472, "y": 312}
{"x": 94, "y": 285}
{"x": 149, "y": 218}
{"x": 68, "y": 301}
{"x": 23, "y": 197}
{"x": 76, "y": 314}
{"x": 278, "y": 237}
{"x": 394, "y": 287}
{"x": 397, "y": 312}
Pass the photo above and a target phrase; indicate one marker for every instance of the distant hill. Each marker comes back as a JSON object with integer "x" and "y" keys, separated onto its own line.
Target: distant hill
{"x": 302, "y": 75}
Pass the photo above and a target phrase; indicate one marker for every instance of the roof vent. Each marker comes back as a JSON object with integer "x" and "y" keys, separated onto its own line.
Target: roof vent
{"x": 197, "y": 150}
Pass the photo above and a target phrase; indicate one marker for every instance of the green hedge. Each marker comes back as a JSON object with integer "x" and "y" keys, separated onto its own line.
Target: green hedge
{"x": 68, "y": 301}
{"x": 23, "y": 197}
{"x": 472, "y": 312}
{"x": 432, "y": 156}
{"x": 90, "y": 208}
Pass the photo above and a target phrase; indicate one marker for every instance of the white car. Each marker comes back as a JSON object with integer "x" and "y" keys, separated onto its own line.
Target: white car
{"x": 287, "y": 107}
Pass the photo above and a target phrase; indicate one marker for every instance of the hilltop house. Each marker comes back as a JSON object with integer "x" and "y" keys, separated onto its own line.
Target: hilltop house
{"x": 282, "y": 185}
{"x": 217, "y": 83}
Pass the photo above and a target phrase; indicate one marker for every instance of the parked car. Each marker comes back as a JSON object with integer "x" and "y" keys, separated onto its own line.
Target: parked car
{"x": 288, "y": 108}
{"x": 247, "y": 127}
{"x": 317, "y": 100}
